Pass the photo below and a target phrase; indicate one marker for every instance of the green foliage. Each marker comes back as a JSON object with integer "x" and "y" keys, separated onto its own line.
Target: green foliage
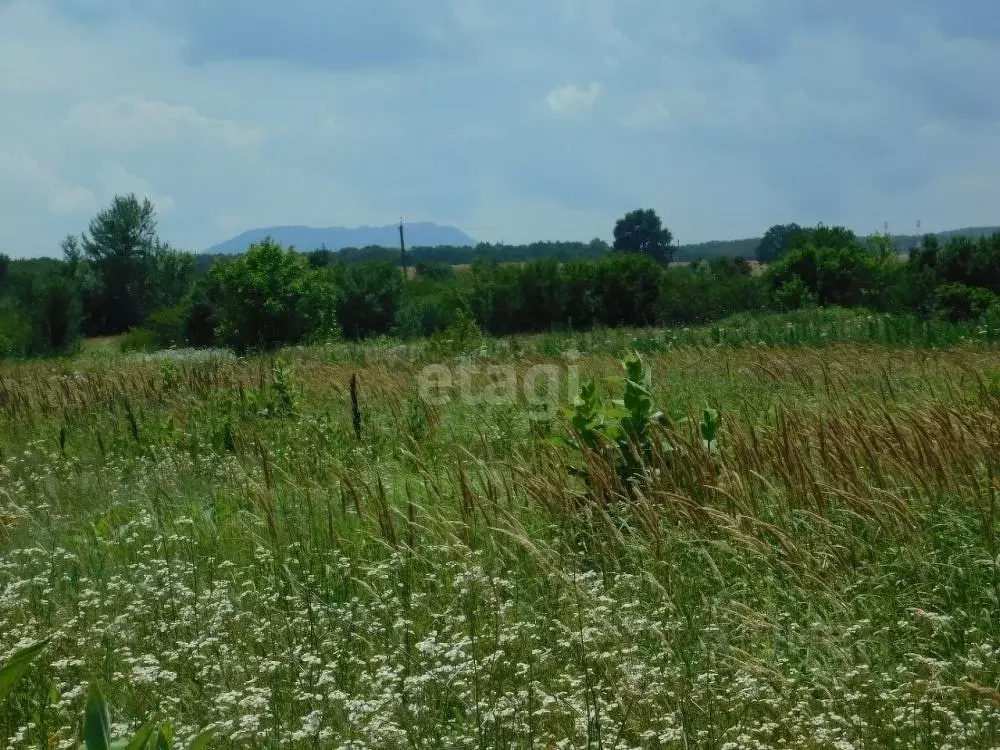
{"x": 151, "y": 736}
{"x": 269, "y": 297}
{"x": 642, "y": 231}
{"x": 793, "y": 294}
{"x": 119, "y": 251}
{"x": 201, "y": 311}
{"x": 428, "y": 307}
{"x": 778, "y": 240}
{"x": 621, "y": 431}
{"x": 56, "y": 314}
{"x": 15, "y": 333}
{"x": 138, "y": 340}
{"x": 16, "y": 666}
{"x": 709, "y": 429}
{"x": 369, "y": 297}
{"x": 97, "y": 720}
{"x": 434, "y": 270}
{"x": 39, "y": 309}
{"x": 707, "y": 292}
{"x": 459, "y": 336}
{"x": 626, "y": 289}
{"x": 167, "y": 324}
{"x": 835, "y": 268}
{"x": 957, "y": 303}
{"x": 122, "y": 270}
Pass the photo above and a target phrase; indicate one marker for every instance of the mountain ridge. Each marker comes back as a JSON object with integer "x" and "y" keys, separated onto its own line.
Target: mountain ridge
{"x": 305, "y": 238}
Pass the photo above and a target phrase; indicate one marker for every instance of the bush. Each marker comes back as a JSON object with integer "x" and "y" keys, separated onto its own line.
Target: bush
{"x": 626, "y": 289}
{"x": 707, "y": 292}
{"x": 793, "y": 294}
{"x": 428, "y": 307}
{"x": 835, "y": 268}
{"x": 55, "y": 314}
{"x": 137, "y": 340}
{"x": 369, "y": 296}
{"x": 269, "y": 297}
{"x": 957, "y": 303}
{"x": 15, "y": 334}
{"x": 201, "y": 312}
{"x": 432, "y": 269}
{"x": 167, "y": 325}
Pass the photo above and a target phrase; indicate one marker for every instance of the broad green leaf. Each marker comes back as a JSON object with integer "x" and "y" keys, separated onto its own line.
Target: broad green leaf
{"x": 139, "y": 742}
{"x": 17, "y": 665}
{"x": 201, "y": 740}
{"x": 164, "y": 738}
{"x": 96, "y": 721}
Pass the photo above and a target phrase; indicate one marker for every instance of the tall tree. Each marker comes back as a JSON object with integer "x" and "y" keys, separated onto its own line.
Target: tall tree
{"x": 641, "y": 231}
{"x": 777, "y": 241}
{"x": 120, "y": 250}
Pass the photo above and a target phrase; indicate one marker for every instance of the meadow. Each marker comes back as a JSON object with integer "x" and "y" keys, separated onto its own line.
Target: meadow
{"x": 802, "y": 552}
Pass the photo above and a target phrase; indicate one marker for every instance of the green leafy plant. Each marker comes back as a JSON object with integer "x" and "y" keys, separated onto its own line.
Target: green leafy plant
{"x": 622, "y": 430}
{"x": 17, "y": 665}
{"x": 151, "y": 736}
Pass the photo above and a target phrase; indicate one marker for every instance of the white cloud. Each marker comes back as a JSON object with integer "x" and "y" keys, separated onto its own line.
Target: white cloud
{"x": 59, "y": 195}
{"x": 572, "y": 99}
{"x": 133, "y": 122}
{"x": 117, "y": 180}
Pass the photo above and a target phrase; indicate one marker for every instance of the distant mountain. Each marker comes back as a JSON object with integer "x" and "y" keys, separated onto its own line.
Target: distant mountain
{"x": 424, "y": 234}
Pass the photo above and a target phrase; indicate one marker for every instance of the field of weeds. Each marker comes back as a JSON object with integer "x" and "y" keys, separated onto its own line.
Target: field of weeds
{"x": 786, "y": 537}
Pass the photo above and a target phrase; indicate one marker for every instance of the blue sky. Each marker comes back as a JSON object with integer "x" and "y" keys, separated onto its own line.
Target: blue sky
{"x": 515, "y": 120}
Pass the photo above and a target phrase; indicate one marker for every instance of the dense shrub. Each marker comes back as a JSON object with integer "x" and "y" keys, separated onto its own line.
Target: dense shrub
{"x": 167, "y": 324}
{"x": 368, "y": 298}
{"x": 138, "y": 340}
{"x": 708, "y": 291}
{"x": 835, "y": 268}
{"x": 269, "y": 297}
{"x": 428, "y": 307}
{"x": 626, "y": 288}
{"x": 957, "y": 302}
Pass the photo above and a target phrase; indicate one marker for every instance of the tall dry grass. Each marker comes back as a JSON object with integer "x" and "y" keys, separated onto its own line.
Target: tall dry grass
{"x": 209, "y": 539}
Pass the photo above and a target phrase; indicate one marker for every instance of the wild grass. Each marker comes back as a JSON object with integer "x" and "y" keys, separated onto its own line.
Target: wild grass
{"x": 205, "y": 536}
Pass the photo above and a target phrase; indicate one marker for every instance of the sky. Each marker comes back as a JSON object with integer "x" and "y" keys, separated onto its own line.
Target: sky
{"x": 515, "y": 120}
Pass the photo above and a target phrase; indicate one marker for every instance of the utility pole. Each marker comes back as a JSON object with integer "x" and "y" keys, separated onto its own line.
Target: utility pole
{"x": 402, "y": 247}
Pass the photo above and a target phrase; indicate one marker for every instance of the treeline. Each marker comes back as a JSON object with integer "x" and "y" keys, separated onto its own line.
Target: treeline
{"x": 452, "y": 255}
{"x": 565, "y": 251}
{"x": 119, "y": 278}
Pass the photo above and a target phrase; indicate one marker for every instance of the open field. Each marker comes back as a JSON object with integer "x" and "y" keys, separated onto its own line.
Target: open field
{"x": 206, "y": 536}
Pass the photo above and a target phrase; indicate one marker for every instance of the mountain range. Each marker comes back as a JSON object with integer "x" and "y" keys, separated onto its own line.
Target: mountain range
{"x": 417, "y": 234}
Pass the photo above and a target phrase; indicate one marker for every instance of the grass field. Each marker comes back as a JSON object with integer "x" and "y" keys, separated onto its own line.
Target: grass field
{"x": 206, "y": 536}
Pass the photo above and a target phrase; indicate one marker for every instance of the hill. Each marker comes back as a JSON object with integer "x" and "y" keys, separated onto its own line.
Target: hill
{"x": 337, "y": 238}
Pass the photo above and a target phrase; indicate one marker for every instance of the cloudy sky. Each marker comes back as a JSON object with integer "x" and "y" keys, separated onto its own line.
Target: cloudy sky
{"x": 512, "y": 119}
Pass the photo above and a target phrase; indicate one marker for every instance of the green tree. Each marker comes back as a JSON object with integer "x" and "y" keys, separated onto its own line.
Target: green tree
{"x": 269, "y": 296}
{"x": 778, "y": 240}
{"x": 626, "y": 288}
{"x": 835, "y": 268}
{"x": 170, "y": 276}
{"x": 119, "y": 249}
{"x": 370, "y": 294}
{"x": 432, "y": 269}
{"x": 641, "y": 231}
